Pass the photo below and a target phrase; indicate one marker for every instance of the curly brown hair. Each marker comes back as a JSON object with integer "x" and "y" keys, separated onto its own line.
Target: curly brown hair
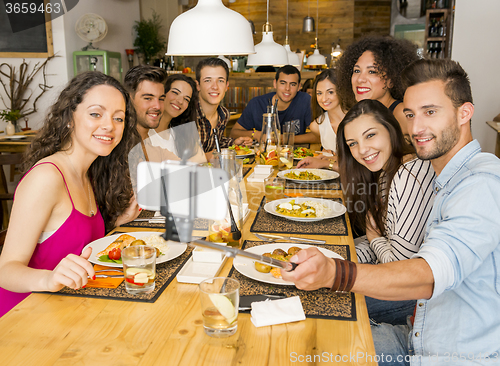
{"x": 109, "y": 175}
{"x": 391, "y": 57}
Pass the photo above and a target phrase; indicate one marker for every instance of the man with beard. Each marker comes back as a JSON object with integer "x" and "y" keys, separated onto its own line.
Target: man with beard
{"x": 293, "y": 106}
{"x": 455, "y": 274}
{"x": 146, "y": 86}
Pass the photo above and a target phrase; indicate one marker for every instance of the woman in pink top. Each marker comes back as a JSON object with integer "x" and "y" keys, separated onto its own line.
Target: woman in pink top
{"x": 77, "y": 181}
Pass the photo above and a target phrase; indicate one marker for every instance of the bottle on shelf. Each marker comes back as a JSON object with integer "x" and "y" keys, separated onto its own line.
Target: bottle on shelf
{"x": 430, "y": 49}
{"x": 441, "y": 53}
{"x": 432, "y": 28}
{"x": 439, "y": 30}
{"x": 437, "y": 50}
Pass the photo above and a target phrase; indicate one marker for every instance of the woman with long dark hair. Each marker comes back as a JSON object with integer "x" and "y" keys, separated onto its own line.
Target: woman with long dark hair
{"x": 388, "y": 188}
{"x": 177, "y": 134}
{"x": 77, "y": 181}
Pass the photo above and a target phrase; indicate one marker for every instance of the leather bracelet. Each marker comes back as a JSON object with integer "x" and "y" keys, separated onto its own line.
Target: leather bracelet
{"x": 345, "y": 276}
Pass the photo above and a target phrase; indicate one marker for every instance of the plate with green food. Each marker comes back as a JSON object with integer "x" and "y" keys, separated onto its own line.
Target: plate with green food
{"x": 308, "y": 175}
{"x": 302, "y": 152}
{"x": 242, "y": 151}
{"x": 107, "y": 251}
{"x": 305, "y": 209}
{"x": 283, "y": 251}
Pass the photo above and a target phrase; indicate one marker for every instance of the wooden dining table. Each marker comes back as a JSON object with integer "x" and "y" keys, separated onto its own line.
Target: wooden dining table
{"x": 50, "y": 329}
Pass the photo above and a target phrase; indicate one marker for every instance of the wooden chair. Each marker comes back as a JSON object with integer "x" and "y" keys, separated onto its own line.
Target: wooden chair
{"x": 3, "y": 234}
{"x": 6, "y": 159}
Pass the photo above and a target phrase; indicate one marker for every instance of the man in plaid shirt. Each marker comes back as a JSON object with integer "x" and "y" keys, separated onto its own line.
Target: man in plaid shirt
{"x": 212, "y": 76}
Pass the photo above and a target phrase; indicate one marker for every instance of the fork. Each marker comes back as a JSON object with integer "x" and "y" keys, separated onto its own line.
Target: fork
{"x": 109, "y": 270}
{"x": 303, "y": 240}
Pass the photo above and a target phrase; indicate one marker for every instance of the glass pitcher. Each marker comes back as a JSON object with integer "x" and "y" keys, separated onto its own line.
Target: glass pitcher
{"x": 269, "y": 142}
{"x": 226, "y": 159}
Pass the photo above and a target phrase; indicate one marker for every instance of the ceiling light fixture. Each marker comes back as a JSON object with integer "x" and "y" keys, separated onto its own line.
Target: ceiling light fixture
{"x": 293, "y": 59}
{"x": 308, "y": 25}
{"x": 229, "y": 32}
{"x": 316, "y": 59}
{"x": 268, "y": 52}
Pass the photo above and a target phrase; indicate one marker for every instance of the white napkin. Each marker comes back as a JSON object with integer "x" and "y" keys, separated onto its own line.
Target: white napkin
{"x": 277, "y": 311}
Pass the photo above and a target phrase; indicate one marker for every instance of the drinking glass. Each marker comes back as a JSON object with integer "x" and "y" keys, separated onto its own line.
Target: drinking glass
{"x": 220, "y": 299}
{"x": 286, "y": 160}
{"x": 288, "y": 134}
{"x": 274, "y": 188}
{"x": 139, "y": 269}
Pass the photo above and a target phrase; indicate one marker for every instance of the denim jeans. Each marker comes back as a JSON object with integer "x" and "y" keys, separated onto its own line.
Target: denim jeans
{"x": 391, "y": 344}
{"x": 390, "y": 312}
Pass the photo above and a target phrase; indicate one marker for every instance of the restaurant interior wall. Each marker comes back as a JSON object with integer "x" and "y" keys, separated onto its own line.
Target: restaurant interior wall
{"x": 120, "y": 16}
{"x": 477, "y": 48}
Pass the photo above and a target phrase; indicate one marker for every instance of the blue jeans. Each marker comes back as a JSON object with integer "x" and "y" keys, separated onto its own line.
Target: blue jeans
{"x": 390, "y": 312}
{"x": 391, "y": 344}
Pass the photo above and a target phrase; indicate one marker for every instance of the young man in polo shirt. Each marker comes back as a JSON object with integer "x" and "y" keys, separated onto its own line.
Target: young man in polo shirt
{"x": 293, "y": 105}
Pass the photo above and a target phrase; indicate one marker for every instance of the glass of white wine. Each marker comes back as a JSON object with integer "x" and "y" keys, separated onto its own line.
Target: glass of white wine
{"x": 220, "y": 299}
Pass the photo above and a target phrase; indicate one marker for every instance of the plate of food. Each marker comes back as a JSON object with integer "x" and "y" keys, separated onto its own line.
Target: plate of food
{"x": 308, "y": 175}
{"x": 107, "y": 251}
{"x": 242, "y": 151}
{"x": 13, "y": 137}
{"x": 263, "y": 273}
{"x": 305, "y": 209}
{"x": 303, "y": 152}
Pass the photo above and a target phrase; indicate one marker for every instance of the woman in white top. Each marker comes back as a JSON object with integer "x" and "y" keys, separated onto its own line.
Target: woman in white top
{"x": 326, "y": 111}
{"x": 177, "y": 135}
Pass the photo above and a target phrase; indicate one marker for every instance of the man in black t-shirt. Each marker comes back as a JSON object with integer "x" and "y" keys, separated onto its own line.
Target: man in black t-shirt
{"x": 293, "y": 105}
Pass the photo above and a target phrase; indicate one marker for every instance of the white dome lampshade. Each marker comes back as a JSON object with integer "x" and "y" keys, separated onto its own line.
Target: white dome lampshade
{"x": 210, "y": 29}
{"x": 316, "y": 59}
{"x": 293, "y": 58}
{"x": 268, "y": 52}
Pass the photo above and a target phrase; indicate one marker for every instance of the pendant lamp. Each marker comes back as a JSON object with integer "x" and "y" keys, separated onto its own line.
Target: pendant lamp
{"x": 252, "y": 26}
{"x": 293, "y": 59}
{"x": 316, "y": 59}
{"x": 210, "y": 29}
{"x": 308, "y": 25}
{"x": 268, "y": 52}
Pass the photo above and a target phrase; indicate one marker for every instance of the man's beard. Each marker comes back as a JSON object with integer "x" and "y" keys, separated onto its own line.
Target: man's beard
{"x": 448, "y": 139}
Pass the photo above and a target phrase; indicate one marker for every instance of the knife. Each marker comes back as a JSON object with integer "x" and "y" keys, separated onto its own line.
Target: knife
{"x": 303, "y": 240}
{"x": 233, "y": 252}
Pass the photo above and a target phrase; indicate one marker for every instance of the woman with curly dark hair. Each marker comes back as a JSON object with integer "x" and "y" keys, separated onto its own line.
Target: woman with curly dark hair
{"x": 371, "y": 69}
{"x": 177, "y": 133}
{"x": 77, "y": 180}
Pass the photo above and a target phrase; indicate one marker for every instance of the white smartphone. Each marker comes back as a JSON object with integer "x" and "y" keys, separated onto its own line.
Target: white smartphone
{"x": 153, "y": 179}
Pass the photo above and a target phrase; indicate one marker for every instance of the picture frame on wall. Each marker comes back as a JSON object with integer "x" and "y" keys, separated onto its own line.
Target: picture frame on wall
{"x": 26, "y": 35}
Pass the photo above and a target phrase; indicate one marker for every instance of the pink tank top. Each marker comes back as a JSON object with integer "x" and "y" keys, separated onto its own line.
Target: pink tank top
{"x": 77, "y": 231}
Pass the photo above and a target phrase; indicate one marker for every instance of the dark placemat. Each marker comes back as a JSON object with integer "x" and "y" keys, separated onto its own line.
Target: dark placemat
{"x": 267, "y": 223}
{"x": 321, "y": 303}
{"x": 246, "y": 170}
{"x": 199, "y": 224}
{"x": 332, "y": 184}
{"x": 165, "y": 273}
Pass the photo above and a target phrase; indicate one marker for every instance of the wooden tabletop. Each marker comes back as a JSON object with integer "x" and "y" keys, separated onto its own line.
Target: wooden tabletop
{"x": 52, "y": 329}
{"x": 17, "y": 146}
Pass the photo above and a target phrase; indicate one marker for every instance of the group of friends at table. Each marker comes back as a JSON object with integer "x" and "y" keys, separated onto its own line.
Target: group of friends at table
{"x": 416, "y": 184}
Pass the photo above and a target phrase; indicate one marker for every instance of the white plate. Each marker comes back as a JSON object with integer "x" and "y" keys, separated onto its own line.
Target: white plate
{"x": 336, "y": 209}
{"x": 13, "y": 137}
{"x": 323, "y": 173}
{"x": 246, "y": 266}
{"x": 245, "y": 155}
{"x": 195, "y": 272}
{"x": 175, "y": 249}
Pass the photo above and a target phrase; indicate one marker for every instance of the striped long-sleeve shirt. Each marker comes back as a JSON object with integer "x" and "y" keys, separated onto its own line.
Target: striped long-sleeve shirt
{"x": 410, "y": 201}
